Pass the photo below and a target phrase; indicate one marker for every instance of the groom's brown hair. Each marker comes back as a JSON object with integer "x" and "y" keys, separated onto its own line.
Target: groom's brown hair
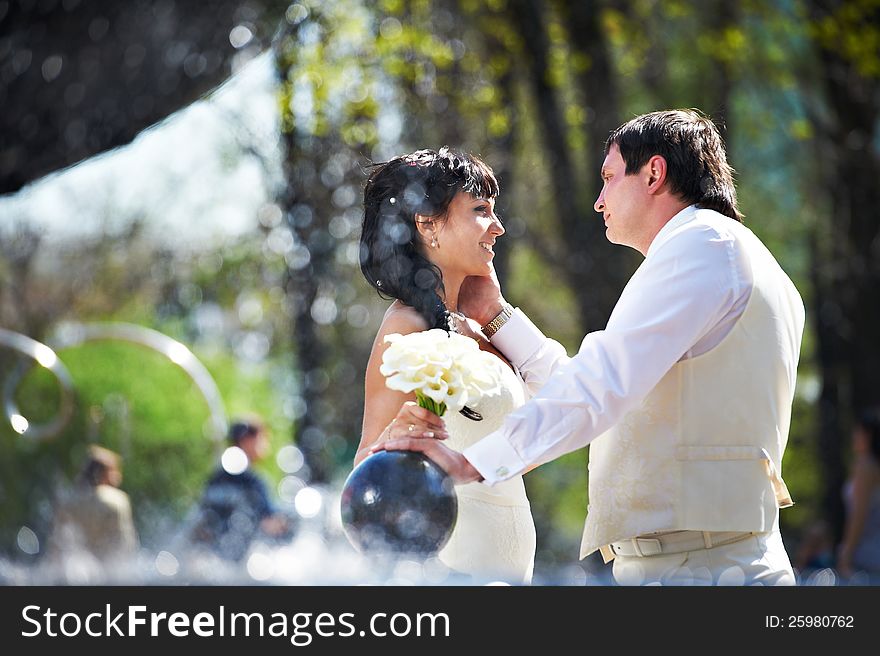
{"x": 696, "y": 162}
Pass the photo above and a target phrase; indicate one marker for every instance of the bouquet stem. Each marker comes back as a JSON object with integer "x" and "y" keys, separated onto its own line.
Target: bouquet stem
{"x": 430, "y": 404}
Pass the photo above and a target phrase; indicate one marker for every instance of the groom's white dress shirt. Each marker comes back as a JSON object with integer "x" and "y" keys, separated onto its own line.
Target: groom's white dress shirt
{"x": 685, "y": 396}
{"x": 683, "y": 300}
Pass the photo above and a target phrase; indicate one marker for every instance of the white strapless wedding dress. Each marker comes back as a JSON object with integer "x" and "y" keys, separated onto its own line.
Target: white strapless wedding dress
{"x": 494, "y": 535}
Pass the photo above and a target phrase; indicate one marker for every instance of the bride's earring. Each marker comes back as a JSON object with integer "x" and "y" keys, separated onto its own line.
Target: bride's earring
{"x": 434, "y": 243}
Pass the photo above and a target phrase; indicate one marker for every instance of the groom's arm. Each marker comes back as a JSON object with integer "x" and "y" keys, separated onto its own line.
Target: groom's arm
{"x": 684, "y": 290}
{"x": 535, "y": 355}
{"x": 687, "y": 287}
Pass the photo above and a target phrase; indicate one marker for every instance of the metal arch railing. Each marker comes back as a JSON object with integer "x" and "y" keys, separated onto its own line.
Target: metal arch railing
{"x": 73, "y": 334}
{"x": 48, "y": 359}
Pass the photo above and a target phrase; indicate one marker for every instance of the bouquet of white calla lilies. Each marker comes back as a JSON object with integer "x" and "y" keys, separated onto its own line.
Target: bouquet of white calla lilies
{"x": 445, "y": 370}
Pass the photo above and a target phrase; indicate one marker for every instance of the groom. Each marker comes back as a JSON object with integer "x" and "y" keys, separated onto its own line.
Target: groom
{"x": 685, "y": 397}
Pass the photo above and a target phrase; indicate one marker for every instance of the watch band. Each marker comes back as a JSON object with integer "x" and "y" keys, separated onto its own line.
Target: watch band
{"x": 493, "y": 326}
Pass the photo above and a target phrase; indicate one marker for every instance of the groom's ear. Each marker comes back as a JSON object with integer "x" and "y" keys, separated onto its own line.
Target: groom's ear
{"x": 655, "y": 171}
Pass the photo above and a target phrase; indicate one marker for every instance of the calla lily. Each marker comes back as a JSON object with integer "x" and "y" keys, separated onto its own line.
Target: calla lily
{"x": 445, "y": 370}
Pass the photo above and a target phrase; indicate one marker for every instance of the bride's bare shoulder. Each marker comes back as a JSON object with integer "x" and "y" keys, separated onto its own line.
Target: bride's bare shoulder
{"x": 403, "y": 319}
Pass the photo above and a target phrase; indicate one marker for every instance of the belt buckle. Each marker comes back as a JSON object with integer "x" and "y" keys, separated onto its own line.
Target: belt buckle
{"x": 647, "y": 546}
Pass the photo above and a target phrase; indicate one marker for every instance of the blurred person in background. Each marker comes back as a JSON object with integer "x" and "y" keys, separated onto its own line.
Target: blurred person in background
{"x": 96, "y": 516}
{"x": 858, "y": 556}
{"x": 815, "y": 553}
{"x": 236, "y": 508}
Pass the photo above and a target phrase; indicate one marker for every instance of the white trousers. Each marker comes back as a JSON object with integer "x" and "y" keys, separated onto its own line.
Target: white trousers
{"x": 758, "y": 560}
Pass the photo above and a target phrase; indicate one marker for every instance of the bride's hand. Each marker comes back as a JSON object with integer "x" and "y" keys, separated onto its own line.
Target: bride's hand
{"x": 452, "y": 462}
{"x": 480, "y": 297}
{"x": 414, "y": 421}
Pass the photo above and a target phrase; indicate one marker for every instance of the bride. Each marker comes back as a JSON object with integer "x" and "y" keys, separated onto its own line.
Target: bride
{"x": 429, "y": 222}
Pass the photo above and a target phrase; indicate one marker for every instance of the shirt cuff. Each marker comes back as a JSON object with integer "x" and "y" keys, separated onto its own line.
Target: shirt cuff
{"x": 494, "y": 458}
{"x": 518, "y": 339}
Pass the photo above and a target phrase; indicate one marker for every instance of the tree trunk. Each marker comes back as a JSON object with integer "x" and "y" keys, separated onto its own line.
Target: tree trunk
{"x": 718, "y": 83}
{"x": 589, "y": 261}
{"x": 847, "y": 313}
{"x": 503, "y": 146}
{"x": 598, "y": 87}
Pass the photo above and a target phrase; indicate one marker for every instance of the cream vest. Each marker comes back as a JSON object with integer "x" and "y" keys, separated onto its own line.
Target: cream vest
{"x": 704, "y": 449}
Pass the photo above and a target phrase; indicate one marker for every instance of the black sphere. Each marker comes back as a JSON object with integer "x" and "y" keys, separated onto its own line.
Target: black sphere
{"x": 398, "y": 501}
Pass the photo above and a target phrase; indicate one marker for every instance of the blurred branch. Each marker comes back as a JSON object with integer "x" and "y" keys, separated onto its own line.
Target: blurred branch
{"x": 80, "y": 78}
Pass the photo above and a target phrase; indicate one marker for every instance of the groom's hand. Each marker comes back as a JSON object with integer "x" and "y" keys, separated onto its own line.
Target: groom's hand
{"x": 452, "y": 462}
{"x": 480, "y": 297}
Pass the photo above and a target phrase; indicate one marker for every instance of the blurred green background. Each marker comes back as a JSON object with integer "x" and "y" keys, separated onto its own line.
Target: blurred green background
{"x": 231, "y": 224}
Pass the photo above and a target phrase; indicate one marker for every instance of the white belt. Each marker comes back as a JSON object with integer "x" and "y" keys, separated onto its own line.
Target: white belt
{"x": 675, "y": 542}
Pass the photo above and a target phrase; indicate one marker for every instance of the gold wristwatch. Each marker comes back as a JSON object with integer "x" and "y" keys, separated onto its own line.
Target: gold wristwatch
{"x": 493, "y": 326}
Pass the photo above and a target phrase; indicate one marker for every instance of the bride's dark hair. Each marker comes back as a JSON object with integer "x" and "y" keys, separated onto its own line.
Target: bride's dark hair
{"x": 423, "y": 182}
